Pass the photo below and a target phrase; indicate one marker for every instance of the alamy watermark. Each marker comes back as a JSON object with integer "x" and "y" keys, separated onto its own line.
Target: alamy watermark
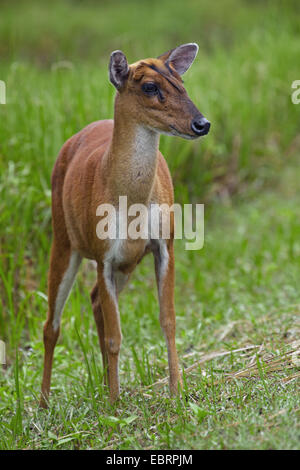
{"x": 153, "y": 222}
{"x": 295, "y": 97}
{"x": 2, "y": 352}
{"x": 2, "y": 92}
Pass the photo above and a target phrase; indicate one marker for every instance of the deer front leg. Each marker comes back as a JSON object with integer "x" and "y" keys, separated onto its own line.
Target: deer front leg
{"x": 96, "y": 306}
{"x": 112, "y": 328}
{"x": 165, "y": 277}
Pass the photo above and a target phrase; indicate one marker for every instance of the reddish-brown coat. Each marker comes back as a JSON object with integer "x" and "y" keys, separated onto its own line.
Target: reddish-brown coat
{"x": 96, "y": 166}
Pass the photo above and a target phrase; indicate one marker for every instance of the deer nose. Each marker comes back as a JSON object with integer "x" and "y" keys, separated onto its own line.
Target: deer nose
{"x": 200, "y": 125}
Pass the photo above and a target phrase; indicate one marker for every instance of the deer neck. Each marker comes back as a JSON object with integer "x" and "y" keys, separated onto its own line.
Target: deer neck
{"x": 132, "y": 160}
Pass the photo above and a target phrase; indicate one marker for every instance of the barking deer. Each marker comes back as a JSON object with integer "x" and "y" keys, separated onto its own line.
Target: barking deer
{"x": 106, "y": 160}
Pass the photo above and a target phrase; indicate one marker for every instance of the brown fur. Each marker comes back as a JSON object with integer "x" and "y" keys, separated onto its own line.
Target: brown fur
{"x": 95, "y": 166}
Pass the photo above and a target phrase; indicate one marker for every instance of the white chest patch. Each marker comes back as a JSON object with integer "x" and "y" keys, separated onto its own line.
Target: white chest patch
{"x": 145, "y": 148}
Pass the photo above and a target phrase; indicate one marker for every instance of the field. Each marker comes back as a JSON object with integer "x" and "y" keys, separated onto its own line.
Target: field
{"x": 237, "y": 300}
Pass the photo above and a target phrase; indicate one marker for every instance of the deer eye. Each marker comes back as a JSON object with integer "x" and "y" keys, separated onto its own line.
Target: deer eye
{"x": 150, "y": 88}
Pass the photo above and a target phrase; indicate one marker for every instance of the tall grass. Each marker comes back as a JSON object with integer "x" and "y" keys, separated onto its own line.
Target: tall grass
{"x": 241, "y": 289}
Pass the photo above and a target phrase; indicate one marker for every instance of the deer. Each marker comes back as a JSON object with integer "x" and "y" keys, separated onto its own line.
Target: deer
{"x": 105, "y": 160}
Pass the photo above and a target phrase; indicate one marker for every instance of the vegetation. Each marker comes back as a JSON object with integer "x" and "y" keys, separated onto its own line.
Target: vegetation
{"x": 237, "y": 300}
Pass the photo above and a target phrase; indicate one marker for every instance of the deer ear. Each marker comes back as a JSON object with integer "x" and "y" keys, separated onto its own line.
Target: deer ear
{"x": 182, "y": 57}
{"x": 118, "y": 69}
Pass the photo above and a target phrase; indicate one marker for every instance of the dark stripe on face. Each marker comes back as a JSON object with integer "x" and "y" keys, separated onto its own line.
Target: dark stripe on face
{"x": 169, "y": 68}
{"x": 153, "y": 67}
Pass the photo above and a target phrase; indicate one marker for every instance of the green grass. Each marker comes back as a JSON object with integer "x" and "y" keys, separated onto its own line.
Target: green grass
{"x": 241, "y": 290}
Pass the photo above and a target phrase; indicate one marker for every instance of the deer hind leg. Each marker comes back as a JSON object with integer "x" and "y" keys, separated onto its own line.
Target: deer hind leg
{"x": 164, "y": 270}
{"x": 64, "y": 265}
{"x": 96, "y": 306}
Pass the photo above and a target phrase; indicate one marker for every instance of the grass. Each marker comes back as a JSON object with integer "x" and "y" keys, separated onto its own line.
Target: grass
{"x": 229, "y": 303}
{"x": 237, "y": 300}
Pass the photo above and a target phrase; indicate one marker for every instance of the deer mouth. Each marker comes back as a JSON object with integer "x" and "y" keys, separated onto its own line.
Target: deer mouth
{"x": 177, "y": 133}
